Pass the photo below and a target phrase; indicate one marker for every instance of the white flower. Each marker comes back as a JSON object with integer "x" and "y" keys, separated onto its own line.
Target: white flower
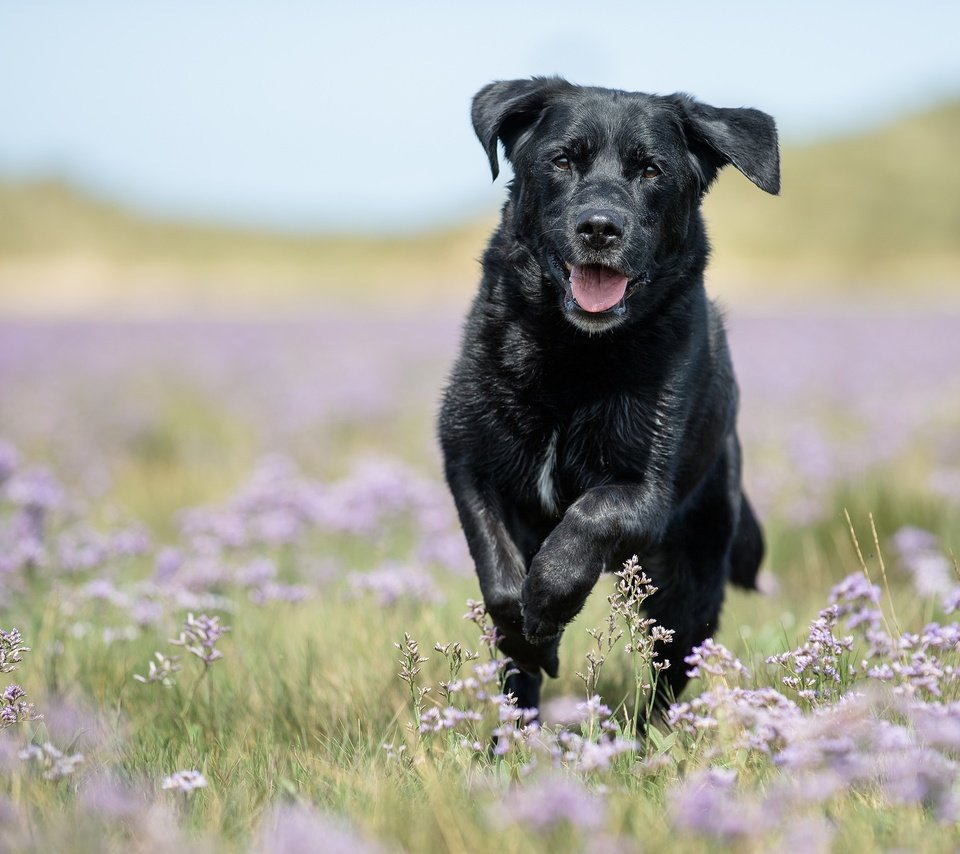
{"x": 185, "y": 781}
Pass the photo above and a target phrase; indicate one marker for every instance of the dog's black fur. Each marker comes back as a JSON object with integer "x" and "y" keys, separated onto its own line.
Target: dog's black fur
{"x": 574, "y": 439}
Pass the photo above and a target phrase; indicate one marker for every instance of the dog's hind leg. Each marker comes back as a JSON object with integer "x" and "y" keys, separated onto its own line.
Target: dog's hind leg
{"x": 690, "y": 571}
{"x": 689, "y": 604}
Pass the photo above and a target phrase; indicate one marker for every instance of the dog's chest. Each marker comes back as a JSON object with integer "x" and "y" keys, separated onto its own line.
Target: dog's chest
{"x": 607, "y": 441}
{"x": 546, "y": 477}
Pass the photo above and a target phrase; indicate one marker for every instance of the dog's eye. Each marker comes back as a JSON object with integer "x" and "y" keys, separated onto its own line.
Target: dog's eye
{"x": 562, "y": 162}
{"x": 650, "y": 171}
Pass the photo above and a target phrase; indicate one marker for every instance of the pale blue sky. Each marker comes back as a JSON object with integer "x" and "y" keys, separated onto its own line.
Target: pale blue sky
{"x": 316, "y": 114}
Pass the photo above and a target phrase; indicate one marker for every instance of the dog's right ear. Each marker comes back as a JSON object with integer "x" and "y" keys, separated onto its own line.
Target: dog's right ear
{"x": 505, "y": 110}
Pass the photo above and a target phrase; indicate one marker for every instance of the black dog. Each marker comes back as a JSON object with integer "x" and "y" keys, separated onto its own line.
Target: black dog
{"x": 591, "y": 414}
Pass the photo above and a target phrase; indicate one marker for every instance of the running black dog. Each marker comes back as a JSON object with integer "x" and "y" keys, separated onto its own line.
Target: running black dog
{"x": 592, "y": 412}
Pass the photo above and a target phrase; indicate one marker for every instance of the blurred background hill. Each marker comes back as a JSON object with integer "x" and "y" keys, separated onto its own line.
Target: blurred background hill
{"x": 334, "y": 171}
{"x": 872, "y": 212}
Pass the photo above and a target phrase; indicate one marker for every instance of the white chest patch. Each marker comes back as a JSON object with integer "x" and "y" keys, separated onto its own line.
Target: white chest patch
{"x": 546, "y": 487}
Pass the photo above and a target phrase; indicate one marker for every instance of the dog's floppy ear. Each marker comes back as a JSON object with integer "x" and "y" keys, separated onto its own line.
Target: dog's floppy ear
{"x": 505, "y": 109}
{"x": 744, "y": 137}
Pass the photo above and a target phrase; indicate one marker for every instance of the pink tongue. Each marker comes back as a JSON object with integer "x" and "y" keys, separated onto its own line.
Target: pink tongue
{"x": 597, "y": 288}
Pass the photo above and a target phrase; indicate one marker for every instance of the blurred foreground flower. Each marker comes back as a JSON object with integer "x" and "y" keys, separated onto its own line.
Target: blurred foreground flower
{"x": 161, "y": 670}
{"x": 55, "y": 763}
{"x": 552, "y": 801}
{"x": 300, "y": 829}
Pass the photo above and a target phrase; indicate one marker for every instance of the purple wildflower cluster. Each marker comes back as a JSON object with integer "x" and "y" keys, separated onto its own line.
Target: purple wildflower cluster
{"x": 816, "y": 669}
{"x": 823, "y": 422}
{"x": 298, "y": 828}
{"x": 586, "y": 736}
{"x": 280, "y": 511}
{"x": 198, "y": 636}
{"x": 263, "y": 541}
{"x": 14, "y": 708}
{"x": 54, "y": 763}
{"x": 40, "y": 532}
{"x": 875, "y": 713}
{"x": 828, "y": 420}
{"x": 932, "y": 573}
{"x": 727, "y": 715}
{"x": 552, "y": 801}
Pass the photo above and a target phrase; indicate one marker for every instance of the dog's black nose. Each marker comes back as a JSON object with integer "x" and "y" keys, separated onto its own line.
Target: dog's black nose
{"x": 599, "y": 228}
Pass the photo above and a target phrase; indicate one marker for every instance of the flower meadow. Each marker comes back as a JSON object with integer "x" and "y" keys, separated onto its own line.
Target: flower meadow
{"x": 237, "y": 612}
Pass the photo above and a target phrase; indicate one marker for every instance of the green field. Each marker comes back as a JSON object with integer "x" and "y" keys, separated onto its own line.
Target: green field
{"x": 322, "y": 558}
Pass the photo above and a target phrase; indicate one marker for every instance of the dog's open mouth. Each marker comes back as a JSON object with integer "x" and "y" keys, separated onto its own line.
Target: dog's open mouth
{"x": 597, "y": 289}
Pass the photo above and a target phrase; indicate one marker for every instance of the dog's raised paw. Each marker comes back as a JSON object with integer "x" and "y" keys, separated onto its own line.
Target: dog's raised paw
{"x": 540, "y": 629}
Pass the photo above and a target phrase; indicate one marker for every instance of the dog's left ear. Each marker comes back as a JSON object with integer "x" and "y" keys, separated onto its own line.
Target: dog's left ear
{"x": 744, "y": 137}
{"x": 505, "y": 110}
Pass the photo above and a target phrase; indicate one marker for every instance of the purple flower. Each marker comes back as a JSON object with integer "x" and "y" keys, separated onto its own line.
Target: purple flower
{"x": 9, "y": 460}
{"x": 447, "y": 550}
{"x": 11, "y": 650}
{"x": 951, "y": 602}
{"x": 199, "y": 637}
{"x": 299, "y": 829}
{"x": 34, "y": 488}
{"x": 817, "y": 669}
{"x": 448, "y": 717}
{"x": 167, "y": 564}
{"x": 547, "y": 802}
{"x": 392, "y": 582}
{"x": 920, "y": 554}
{"x": 753, "y": 719}
{"x": 272, "y": 591}
{"x": 706, "y": 804}
{"x": 258, "y": 571}
{"x": 909, "y": 540}
{"x": 13, "y": 693}
{"x": 857, "y": 602}
{"x": 714, "y": 659}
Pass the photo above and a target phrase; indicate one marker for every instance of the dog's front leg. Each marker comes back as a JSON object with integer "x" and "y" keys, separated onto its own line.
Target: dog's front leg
{"x": 501, "y": 571}
{"x": 570, "y": 561}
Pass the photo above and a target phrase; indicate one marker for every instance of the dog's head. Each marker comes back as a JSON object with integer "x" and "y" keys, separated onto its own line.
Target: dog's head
{"x": 608, "y": 185}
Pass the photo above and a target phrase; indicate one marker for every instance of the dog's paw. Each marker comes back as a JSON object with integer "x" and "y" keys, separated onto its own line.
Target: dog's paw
{"x": 561, "y": 577}
{"x": 539, "y": 627}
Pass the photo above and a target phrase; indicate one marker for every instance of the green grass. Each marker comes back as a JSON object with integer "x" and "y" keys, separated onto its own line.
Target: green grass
{"x": 306, "y": 695}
